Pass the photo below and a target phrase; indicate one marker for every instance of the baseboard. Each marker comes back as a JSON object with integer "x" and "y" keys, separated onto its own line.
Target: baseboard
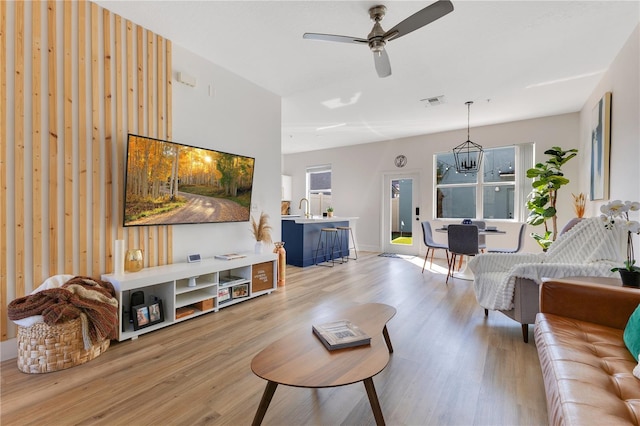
{"x": 8, "y": 349}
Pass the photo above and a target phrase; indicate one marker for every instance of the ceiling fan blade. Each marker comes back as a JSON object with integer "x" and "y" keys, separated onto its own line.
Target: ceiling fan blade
{"x": 383, "y": 66}
{"x": 419, "y": 19}
{"x": 336, "y": 38}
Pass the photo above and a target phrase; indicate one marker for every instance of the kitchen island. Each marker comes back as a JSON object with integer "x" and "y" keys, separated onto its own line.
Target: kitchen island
{"x": 301, "y": 234}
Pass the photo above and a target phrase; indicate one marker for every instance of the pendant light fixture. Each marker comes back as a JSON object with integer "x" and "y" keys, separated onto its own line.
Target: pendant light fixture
{"x": 468, "y": 155}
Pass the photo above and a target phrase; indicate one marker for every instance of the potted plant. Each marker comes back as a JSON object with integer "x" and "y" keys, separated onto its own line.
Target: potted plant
{"x": 541, "y": 202}
{"x": 261, "y": 231}
{"x": 630, "y": 274}
{"x": 329, "y": 211}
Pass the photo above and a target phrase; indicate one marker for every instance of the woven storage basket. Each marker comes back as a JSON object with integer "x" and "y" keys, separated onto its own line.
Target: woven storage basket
{"x": 43, "y": 348}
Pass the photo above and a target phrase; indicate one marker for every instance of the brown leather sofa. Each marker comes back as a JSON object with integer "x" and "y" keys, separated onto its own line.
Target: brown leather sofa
{"x": 586, "y": 367}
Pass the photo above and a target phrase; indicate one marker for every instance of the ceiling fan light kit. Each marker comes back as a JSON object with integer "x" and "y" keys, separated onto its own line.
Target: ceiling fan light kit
{"x": 378, "y": 38}
{"x": 468, "y": 155}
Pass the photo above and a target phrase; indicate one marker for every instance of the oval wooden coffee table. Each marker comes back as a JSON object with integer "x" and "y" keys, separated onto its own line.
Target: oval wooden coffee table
{"x": 301, "y": 360}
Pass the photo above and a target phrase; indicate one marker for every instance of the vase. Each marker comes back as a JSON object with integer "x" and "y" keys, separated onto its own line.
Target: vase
{"x": 330, "y": 214}
{"x": 133, "y": 260}
{"x": 630, "y": 278}
{"x": 282, "y": 262}
{"x": 259, "y": 246}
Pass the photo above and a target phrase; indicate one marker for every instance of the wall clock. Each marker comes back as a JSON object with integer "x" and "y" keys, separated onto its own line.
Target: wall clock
{"x": 401, "y": 161}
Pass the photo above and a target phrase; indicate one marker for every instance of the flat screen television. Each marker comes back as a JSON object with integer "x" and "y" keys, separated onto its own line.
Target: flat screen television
{"x": 168, "y": 183}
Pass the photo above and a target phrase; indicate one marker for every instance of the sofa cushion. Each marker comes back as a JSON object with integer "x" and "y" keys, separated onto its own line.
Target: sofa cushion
{"x": 632, "y": 333}
{"x": 587, "y": 371}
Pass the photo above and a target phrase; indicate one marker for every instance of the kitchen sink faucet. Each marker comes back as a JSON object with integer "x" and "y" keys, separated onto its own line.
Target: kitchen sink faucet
{"x": 307, "y": 213}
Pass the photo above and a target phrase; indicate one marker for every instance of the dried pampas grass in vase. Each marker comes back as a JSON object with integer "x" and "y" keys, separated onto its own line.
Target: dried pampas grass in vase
{"x": 261, "y": 231}
{"x": 578, "y": 204}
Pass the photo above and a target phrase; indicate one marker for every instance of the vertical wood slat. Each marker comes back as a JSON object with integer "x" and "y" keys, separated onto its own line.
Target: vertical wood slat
{"x": 83, "y": 235}
{"x": 169, "y": 88}
{"x": 36, "y": 135}
{"x": 151, "y": 131}
{"x": 95, "y": 139}
{"x": 3, "y": 172}
{"x": 119, "y": 128}
{"x": 108, "y": 140}
{"x": 53, "y": 137}
{"x": 18, "y": 158}
{"x": 160, "y": 133}
{"x": 63, "y": 235}
{"x": 141, "y": 123}
{"x": 130, "y": 98}
{"x": 68, "y": 139}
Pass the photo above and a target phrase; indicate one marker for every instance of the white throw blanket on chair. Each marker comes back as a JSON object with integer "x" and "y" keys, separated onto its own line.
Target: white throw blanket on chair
{"x": 587, "y": 249}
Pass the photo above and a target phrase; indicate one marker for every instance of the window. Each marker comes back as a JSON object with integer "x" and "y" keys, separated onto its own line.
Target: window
{"x": 495, "y": 193}
{"x": 319, "y": 188}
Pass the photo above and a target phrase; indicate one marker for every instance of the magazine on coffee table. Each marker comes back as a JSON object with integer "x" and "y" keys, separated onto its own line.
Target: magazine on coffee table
{"x": 341, "y": 334}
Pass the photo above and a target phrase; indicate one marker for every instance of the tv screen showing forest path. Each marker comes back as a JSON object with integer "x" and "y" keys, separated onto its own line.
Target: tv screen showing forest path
{"x": 169, "y": 183}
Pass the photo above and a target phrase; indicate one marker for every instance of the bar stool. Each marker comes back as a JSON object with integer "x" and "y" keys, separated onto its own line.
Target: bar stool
{"x": 327, "y": 246}
{"x": 346, "y": 233}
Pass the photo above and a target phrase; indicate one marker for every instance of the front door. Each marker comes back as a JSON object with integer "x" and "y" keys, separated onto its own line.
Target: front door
{"x": 401, "y": 231}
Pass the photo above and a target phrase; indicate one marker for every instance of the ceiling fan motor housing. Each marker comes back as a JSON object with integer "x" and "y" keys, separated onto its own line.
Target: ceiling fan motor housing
{"x": 376, "y": 36}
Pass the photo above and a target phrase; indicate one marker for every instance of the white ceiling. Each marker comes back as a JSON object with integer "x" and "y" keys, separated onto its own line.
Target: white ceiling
{"x": 515, "y": 59}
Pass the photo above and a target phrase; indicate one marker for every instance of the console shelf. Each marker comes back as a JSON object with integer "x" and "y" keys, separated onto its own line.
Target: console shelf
{"x": 196, "y": 287}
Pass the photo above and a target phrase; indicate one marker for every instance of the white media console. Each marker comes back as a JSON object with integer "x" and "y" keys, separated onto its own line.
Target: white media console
{"x": 193, "y": 289}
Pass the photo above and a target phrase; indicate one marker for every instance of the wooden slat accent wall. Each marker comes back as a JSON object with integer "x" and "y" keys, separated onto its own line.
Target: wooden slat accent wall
{"x": 3, "y": 171}
{"x": 64, "y": 129}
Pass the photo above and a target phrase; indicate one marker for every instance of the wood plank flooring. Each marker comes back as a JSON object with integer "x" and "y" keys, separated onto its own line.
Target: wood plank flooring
{"x": 451, "y": 365}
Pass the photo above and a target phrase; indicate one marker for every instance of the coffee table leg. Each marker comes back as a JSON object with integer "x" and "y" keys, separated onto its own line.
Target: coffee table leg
{"x": 385, "y": 333}
{"x": 265, "y": 401}
{"x": 373, "y": 400}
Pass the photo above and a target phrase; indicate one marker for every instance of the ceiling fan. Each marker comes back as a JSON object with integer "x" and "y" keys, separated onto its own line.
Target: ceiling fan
{"x": 378, "y": 37}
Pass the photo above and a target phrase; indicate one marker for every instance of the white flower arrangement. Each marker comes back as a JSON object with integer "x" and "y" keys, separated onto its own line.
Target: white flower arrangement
{"x": 618, "y": 209}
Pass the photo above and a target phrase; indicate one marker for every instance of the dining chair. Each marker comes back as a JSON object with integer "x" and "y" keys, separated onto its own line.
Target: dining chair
{"x": 427, "y": 236}
{"x": 463, "y": 241}
{"x": 482, "y": 225}
{"x": 523, "y": 229}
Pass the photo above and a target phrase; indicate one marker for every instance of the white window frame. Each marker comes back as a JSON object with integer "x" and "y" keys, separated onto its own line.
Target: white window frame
{"x": 318, "y": 202}
{"x": 523, "y": 161}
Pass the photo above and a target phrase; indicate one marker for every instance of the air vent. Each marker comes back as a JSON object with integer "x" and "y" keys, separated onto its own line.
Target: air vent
{"x": 433, "y": 101}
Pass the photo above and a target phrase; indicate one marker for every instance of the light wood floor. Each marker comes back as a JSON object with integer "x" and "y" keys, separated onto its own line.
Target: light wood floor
{"x": 451, "y": 366}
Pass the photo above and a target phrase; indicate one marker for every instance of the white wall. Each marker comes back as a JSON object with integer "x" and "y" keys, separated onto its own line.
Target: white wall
{"x": 357, "y": 171}
{"x": 240, "y": 118}
{"x": 623, "y": 80}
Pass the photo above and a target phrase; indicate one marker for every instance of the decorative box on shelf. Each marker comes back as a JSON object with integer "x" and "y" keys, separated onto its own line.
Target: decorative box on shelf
{"x": 204, "y": 305}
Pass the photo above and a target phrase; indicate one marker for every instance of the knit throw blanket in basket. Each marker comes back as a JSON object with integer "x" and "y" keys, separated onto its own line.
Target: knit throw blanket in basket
{"x": 587, "y": 249}
{"x": 81, "y": 297}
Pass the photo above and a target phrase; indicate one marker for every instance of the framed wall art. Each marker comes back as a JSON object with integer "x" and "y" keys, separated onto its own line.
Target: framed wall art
{"x": 600, "y": 145}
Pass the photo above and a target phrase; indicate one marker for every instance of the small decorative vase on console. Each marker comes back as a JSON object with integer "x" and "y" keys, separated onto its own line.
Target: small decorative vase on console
{"x": 133, "y": 260}
{"x": 259, "y": 246}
